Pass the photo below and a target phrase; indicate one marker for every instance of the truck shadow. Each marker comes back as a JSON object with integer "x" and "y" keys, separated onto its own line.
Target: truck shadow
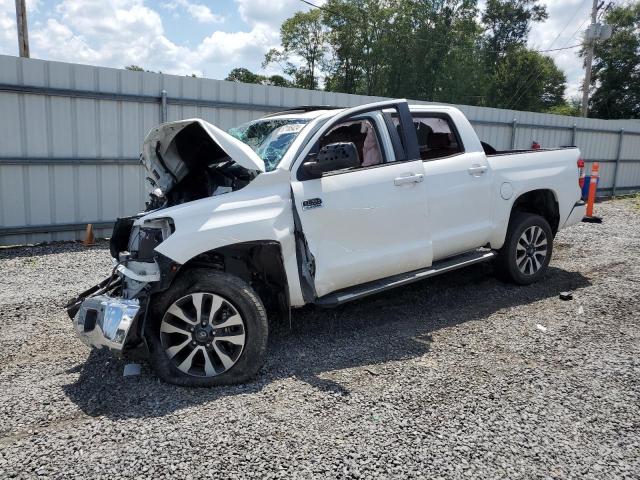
{"x": 395, "y": 325}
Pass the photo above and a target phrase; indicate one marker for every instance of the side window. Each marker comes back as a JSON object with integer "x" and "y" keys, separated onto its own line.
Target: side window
{"x": 436, "y": 137}
{"x": 362, "y": 134}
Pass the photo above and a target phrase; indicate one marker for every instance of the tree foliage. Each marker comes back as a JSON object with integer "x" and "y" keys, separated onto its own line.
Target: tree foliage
{"x": 244, "y": 75}
{"x": 302, "y": 35}
{"x": 437, "y": 50}
{"x": 543, "y": 89}
{"x": 616, "y": 67}
{"x": 508, "y": 23}
{"x": 569, "y": 108}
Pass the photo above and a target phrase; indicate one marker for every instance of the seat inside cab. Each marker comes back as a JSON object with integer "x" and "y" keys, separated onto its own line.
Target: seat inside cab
{"x": 362, "y": 134}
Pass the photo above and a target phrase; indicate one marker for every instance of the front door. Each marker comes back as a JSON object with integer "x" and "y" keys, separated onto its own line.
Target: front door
{"x": 369, "y": 222}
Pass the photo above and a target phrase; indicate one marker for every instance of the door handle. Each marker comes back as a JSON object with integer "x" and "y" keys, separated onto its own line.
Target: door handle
{"x": 477, "y": 170}
{"x": 413, "y": 178}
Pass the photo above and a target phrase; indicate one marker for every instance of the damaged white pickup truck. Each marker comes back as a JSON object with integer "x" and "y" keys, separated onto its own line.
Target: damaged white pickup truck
{"x": 314, "y": 205}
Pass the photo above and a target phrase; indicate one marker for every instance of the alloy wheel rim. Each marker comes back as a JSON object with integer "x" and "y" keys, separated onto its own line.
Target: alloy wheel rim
{"x": 203, "y": 334}
{"x": 531, "y": 250}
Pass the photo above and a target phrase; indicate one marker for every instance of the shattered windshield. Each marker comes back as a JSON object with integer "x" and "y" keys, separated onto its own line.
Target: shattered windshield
{"x": 269, "y": 138}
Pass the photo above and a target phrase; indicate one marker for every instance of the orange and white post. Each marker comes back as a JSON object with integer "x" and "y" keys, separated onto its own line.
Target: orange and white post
{"x": 593, "y": 184}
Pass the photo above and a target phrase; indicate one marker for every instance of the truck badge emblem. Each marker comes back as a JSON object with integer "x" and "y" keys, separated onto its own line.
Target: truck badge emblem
{"x": 312, "y": 203}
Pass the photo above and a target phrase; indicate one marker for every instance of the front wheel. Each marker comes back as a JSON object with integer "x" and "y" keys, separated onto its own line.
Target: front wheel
{"x": 209, "y": 329}
{"x": 527, "y": 249}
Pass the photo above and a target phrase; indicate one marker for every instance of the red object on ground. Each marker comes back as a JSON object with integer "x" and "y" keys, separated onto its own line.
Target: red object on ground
{"x": 535, "y": 145}
{"x": 595, "y": 169}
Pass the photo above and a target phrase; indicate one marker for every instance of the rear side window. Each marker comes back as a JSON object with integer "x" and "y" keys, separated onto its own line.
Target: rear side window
{"x": 436, "y": 136}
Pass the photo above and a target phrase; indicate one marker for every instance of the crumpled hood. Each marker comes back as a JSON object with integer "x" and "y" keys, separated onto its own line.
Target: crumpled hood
{"x": 162, "y": 158}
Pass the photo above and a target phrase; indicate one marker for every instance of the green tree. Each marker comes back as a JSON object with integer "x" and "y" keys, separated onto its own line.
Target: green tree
{"x": 616, "y": 68}
{"x": 343, "y": 65}
{"x": 302, "y": 36}
{"x": 517, "y": 77}
{"x": 527, "y": 80}
{"x": 433, "y": 50}
{"x": 244, "y": 75}
{"x": 508, "y": 23}
{"x": 569, "y": 108}
{"x": 134, "y": 68}
{"x": 404, "y": 48}
{"x": 357, "y": 30}
{"x": 448, "y": 52}
{"x": 277, "y": 81}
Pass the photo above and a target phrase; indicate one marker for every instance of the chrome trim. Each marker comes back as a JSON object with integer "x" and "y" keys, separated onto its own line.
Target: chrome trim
{"x": 110, "y": 326}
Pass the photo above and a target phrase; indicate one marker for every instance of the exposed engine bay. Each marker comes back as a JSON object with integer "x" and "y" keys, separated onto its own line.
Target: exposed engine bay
{"x": 209, "y": 181}
{"x": 205, "y": 170}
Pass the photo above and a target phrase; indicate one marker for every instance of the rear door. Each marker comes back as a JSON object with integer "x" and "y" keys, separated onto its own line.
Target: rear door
{"x": 459, "y": 186}
{"x": 369, "y": 222}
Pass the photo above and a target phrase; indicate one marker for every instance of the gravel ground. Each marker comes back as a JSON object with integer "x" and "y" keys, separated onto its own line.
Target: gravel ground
{"x": 453, "y": 377}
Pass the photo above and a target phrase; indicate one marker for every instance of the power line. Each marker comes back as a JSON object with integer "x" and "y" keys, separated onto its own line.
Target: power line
{"x": 518, "y": 94}
{"x": 542, "y": 71}
{"x": 558, "y": 49}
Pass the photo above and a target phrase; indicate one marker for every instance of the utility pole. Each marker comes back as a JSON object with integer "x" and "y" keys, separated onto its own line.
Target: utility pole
{"x": 588, "y": 61}
{"x": 23, "y": 36}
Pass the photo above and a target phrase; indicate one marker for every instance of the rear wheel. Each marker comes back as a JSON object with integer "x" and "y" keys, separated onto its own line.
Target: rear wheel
{"x": 527, "y": 250}
{"x": 209, "y": 329}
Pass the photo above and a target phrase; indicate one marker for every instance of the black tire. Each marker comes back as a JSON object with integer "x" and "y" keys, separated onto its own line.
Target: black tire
{"x": 238, "y": 296}
{"x": 507, "y": 262}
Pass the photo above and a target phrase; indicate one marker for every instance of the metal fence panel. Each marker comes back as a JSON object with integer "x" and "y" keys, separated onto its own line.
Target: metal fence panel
{"x": 70, "y": 137}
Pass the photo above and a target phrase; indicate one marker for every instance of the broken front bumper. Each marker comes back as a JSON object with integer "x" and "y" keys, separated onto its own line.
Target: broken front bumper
{"x": 104, "y": 321}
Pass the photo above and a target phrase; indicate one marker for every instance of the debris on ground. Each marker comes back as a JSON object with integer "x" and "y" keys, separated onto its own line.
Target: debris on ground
{"x": 131, "y": 370}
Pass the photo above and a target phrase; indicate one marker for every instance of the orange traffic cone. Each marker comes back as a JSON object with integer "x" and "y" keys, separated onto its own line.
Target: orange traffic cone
{"x": 89, "y": 238}
{"x": 591, "y": 198}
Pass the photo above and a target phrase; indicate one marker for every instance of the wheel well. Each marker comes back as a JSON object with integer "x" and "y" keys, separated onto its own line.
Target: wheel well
{"x": 539, "y": 202}
{"x": 259, "y": 263}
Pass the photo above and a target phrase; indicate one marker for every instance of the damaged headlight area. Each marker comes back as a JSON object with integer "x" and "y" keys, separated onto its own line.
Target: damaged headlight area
{"x": 109, "y": 314}
{"x": 129, "y": 242}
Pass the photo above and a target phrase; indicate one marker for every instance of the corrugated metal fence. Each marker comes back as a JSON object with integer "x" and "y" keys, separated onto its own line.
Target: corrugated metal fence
{"x": 70, "y": 136}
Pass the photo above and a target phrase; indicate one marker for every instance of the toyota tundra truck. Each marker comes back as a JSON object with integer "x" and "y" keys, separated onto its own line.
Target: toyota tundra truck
{"x": 312, "y": 205}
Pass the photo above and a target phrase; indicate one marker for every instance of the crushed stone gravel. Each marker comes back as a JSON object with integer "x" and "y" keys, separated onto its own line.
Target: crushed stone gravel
{"x": 449, "y": 378}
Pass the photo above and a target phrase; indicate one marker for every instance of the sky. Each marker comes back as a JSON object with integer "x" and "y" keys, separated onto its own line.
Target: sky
{"x": 210, "y": 37}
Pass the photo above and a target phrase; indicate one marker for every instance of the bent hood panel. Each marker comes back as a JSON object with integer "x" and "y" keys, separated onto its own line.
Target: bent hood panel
{"x": 166, "y": 167}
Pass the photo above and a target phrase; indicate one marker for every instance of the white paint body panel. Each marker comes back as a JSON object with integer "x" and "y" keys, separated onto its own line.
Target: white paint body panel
{"x": 368, "y": 227}
{"x": 460, "y": 203}
{"x": 554, "y": 170}
{"x": 260, "y": 211}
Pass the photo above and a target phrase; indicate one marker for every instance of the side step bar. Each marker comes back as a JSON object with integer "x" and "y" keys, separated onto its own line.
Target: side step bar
{"x": 359, "y": 291}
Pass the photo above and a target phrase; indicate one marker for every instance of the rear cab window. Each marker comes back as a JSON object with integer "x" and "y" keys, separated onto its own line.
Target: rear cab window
{"x": 437, "y": 136}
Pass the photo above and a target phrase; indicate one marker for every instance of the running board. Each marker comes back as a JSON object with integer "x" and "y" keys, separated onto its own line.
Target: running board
{"x": 360, "y": 291}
